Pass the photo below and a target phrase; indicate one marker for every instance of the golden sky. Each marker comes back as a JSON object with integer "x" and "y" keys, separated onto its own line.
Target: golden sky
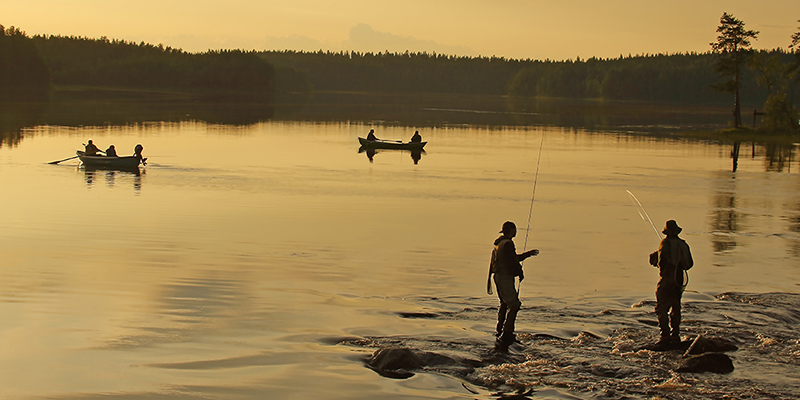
{"x": 537, "y": 29}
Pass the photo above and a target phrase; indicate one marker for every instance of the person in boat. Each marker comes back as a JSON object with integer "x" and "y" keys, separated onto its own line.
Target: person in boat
{"x": 111, "y": 151}
{"x": 90, "y": 149}
{"x": 371, "y": 135}
{"x": 505, "y": 266}
{"x": 672, "y": 258}
{"x": 137, "y": 151}
{"x": 416, "y": 138}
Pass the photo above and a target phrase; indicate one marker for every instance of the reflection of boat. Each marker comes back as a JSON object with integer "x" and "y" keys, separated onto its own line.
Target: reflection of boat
{"x": 391, "y": 144}
{"x": 126, "y": 162}
{"x": 416, "y": 153}
{"x": 90, "y": 169}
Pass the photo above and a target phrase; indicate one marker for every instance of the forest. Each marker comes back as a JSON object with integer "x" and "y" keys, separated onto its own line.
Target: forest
{"x": 686, "y": 78}
{"x": 30, "y": 66}
{"x": 23, "y": 73}
{"x": 117, "y": 63}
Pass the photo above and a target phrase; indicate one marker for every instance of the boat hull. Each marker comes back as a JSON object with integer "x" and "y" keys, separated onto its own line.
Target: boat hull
{"x": 388, "y": 144}
{"x": 110, "y": 162}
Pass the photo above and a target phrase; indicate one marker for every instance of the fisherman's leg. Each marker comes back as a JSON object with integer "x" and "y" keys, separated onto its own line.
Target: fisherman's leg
{"x": 662, "y": 313}
{"x": 508, "y": 298}
{"x": 511, "y": 318}
{"x": 675, "y": 318}
{"x": 501, "y": 317}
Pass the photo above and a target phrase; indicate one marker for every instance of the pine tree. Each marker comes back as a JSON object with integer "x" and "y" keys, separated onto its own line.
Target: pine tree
{"x": 733, "y": 47}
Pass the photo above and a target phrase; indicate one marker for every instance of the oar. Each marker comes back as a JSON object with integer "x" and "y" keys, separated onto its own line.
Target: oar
{"x": 56, "y": 162}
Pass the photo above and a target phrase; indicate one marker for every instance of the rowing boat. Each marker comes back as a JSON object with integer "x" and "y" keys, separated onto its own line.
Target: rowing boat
{"x": 110, "y": 162}
{"x": 391, "y": 144}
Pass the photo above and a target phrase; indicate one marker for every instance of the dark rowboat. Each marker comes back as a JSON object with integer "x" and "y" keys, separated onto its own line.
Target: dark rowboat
{"x": 110, "y": 162}
{"x": 391, "y": 144}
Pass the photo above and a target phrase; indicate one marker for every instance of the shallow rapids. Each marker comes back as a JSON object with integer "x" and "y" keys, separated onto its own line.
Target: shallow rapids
{"x": 597, "y": 353}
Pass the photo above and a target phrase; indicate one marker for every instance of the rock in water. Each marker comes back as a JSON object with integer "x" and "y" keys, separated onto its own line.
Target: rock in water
{"x": 708, "y": 362}
{"x": 712, "y": 345}
{"x": 393, "y": 362}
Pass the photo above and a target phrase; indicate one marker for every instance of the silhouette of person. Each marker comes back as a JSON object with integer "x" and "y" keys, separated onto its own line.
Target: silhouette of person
{"x": 91, "y": 149}
{"x": 416, "y": 138}
{"x": 672, "y": 258}
{"x": 111, "y": 151}
{"x": 371, "y": 135}
{"x": 137, "y": 151}
{"x": 505, "y": 266}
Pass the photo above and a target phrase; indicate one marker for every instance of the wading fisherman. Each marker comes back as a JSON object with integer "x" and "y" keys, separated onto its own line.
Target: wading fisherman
{"x": 672, "y": 258}
{"x": 505, "y": 266}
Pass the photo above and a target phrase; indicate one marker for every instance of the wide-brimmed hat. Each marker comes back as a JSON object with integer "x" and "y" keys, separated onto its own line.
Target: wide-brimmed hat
{"x": 671, "y": 228}
{"x": 508, "y": 225}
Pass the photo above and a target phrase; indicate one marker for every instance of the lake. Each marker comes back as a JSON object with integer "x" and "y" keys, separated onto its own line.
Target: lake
{"x": 268, "y": 258}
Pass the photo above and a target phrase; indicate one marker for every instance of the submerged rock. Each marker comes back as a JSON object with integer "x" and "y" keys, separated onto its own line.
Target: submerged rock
{"x": 399, "y": 362}
{"x": 709, "y": 362}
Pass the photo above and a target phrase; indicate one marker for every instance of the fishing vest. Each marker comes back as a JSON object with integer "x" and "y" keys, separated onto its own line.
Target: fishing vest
{"x": 499, "y": 265}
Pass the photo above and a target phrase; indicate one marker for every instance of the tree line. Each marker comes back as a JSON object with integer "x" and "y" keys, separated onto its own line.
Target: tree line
{"x": 685, "y": 77}
{"x": 118, "y": 63}
{"x": 767, "y": 79}
{"x": 32, "y": 64}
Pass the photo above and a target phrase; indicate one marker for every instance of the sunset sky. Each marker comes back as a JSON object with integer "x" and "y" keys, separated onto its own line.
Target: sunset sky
{"x": 534, "y": 29}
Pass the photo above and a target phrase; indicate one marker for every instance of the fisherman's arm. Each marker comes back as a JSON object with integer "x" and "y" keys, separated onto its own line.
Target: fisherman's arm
{"x": 529, "y": 253}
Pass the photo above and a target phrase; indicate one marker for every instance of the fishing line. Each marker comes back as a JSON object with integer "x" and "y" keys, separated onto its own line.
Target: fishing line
{"x": 643, "y": 213}
{"x": 533, "y": 194}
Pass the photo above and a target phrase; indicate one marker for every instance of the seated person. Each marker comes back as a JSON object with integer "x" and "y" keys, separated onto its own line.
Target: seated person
{"x": 111, "y": 151}
{"x": 137, "y": 151}
{"x": 91, "y": 149}
{"x": 416, "y": 138}
{"x": 371, "y": 135}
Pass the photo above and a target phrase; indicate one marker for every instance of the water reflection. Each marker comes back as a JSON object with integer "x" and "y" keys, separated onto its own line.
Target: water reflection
{"x": 778, "y": 157}
{"x": 726, "y": 218}
{"x": 735, "y": 155}
{"x": 14, "y": 117}
{"x": 91, "y": 175}
{"x": 416, "y": 154}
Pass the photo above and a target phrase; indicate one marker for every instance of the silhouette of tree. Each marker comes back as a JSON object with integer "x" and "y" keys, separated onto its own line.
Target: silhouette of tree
{"x": 733, "y": 49}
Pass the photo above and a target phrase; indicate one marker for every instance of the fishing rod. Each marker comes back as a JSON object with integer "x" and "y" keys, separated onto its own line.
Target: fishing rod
{"x": 530, "y": 210}
{"x": 533, "y": 194}
{"x": 643, "y": 213}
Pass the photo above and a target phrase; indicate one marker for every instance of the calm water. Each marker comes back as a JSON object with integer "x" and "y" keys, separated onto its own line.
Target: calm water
{"x": 232, "y": 264}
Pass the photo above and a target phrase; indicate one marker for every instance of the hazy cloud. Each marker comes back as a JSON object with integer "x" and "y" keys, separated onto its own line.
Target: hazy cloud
{"x": 294, "y": 42}
{"x": 363, "y": 38}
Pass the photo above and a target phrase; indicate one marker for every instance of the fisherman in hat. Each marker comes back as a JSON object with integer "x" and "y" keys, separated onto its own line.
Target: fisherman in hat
{"x": 672, "y": 258}
{"x": 505, "y": 266}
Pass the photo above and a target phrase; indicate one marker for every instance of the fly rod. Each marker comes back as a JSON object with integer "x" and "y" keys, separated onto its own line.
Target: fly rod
{"x": 533, "y": 194}
{"x": 530, "y": 210}
{"x": 643, "y": 213}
